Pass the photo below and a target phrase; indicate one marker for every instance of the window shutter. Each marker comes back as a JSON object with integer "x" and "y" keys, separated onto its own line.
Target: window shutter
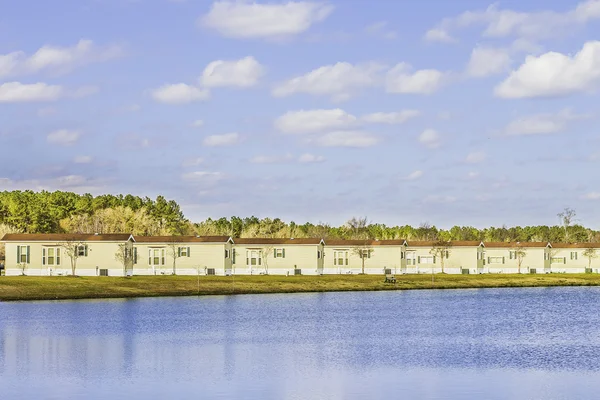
{"x": 503, "y": 260}
{"x": 274, "y": 253}
{"x": 28, "y": 247}
{"x": 43, "y": 256}
{"x": 335, "y": 259}
{"x": 434, "y": 257}
{"x": 259, "y": 260}
{"x": 419, "y": 259}
{"x": 134, "y": 255}
{"x": 346, "y": 260}
{"x": 447, "y": 254}
{"x": 564, "y": 260}
{"x": 149, "y": 256}
{"x": 283, "y": 253}
{"x": 86, "y": 250}
{"x": 179, "y": 252}
{"x": 368, "y": 253}
{"x": 188, "y": 251}
{"x": 489, "y": 260}
{"x": 18, "y": 254}
{"x": 233, "y": 256}
{"x": 163, "y": 257}
{"x": 57, "y": 256}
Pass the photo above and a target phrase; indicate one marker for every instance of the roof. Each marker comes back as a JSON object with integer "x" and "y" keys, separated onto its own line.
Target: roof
{"x": 271, "y": 241}
{"x": 181, "y": 239}
{"x": 515, "y": 244}
{"x": 354, "y": 242}
{"x": 64, "y": 237}
{"x": 575, "y": 245}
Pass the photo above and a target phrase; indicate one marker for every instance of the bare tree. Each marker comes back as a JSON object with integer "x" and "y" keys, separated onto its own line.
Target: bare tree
{"x": 174, "y": 249}
{"x": 567, "y": 216}
{"x": 590, "y": 253}
{"x": 358, "y": 227}
{"x": 23, "y": 267}
{"x": 363, "y": 251}
{"x": 520, "y": 253}
{"x": 265, "y": 253}
{"x": 441, "y": 250}
{"x": 124, "y": 255}
{"x": 73, "y": 248}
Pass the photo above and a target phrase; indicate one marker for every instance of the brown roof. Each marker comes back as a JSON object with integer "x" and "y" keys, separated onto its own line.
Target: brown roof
{"x": 575, "y": 245}
{"x": 181, "y": 239}
{"x": 271, "y": 241}
{"x": 457, "y": 243}
{"x": 355, "y": 242}
{"x": 63, "y": 237}
{"x": 515, "y": 244}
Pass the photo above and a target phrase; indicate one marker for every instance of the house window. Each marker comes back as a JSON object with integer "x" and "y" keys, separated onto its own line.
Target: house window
{"x": 546, "y": 256}
{"x": 156, "y": 257}
{"x": 496, "y": 260}
{"x": 279, "y": 253}
{"x": 512, "y": 255}
{"x": 411, "y": 258}
{"x": 183, "y": 251}
{"x": 573, "y": 255}
{"x": 340, "y": 257}
{"x": 365, "y": 253}
{"x": 253, "y": 257}
{"x": 23, "y": 254}
{"x": 427, "y": 260}
{"x": 51, "y": 256}
{"x": 558, "y": 260}
{"x": 319, "y": 254}
{"x": 81, "y": 250}
{"x": 226, "y": 253}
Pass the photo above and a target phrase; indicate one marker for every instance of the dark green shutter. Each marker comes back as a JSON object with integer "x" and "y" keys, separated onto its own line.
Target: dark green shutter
{"x": 86, "y": 250}
{"x": 419, "y": 259}
{"x": 283, "y": 253}
{"x": 233, "y": 256}
{"x": 28, "y": 254}
{"x": 188, "y": 251}
{"x": 179, "y": 252}
{"x": 434, "y": 259}
{"x": 43, "y": 256}
{"x": 503, "y": 260}
{"x": 134, "y": 255}
{"x": 18, "y": 254}
{"x": 274, "y": 253}
{"x": 564, "y": 260}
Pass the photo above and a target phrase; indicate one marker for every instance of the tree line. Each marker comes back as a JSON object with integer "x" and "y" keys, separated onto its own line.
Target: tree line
{"x": 67, "y": 212}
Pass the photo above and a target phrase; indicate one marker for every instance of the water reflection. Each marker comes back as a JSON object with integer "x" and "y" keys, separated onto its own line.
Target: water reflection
{"x": 497, "y": 344}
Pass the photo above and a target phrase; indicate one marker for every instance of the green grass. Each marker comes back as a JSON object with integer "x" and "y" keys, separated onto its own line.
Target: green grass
{"x": 50, "y": 288}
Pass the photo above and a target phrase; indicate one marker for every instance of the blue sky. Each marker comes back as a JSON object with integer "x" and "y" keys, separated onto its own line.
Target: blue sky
{"x": 467, "y": 113}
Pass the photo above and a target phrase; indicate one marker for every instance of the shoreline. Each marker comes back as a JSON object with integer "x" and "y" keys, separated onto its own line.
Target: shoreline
{"x": 26, "y": 288}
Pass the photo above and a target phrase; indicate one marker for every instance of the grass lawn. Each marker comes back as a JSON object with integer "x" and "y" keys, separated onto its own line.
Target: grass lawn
{"x": 50, "y": 288}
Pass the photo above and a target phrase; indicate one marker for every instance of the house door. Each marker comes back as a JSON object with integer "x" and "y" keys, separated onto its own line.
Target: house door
{"x": 253, "y": 261}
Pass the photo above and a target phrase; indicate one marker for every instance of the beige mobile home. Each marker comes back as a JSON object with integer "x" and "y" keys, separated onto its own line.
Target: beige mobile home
{"x": 455, "y": 257}
{"x": 515, "y": 257}
{"x": 182, "y": 255}
{"x": 277, "y": 256}
{"x": 53, "y": 254}
{"x": 575, "y": 257}
{"x": 379, "y": 256}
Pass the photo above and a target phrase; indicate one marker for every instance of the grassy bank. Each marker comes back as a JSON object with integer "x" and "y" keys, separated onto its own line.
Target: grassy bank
{"x": 50, "y": 288}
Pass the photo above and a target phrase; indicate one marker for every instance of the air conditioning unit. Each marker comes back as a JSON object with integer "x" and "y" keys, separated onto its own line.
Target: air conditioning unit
{"x": 210, "y": 271}
{"x": 297, "y": 271}
{"x": 388, "y": 271}
{"x": 103, "y": 272}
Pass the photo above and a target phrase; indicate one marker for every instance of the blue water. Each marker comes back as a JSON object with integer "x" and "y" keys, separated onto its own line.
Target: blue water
{"x": 541, "y": 343}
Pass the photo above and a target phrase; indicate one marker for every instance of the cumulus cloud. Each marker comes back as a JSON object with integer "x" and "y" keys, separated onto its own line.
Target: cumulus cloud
{"x": 338, "y": 81}
{"x": 554, "y": 74}
{"x": 398, "y": 117}
{"x": 414, "y": 175}
{"x": 64, "y": 137}
{"x": 240, "y": 73}
{"x": 540, "y": 124}
{"x": 179, "y": 93}
{"x": 475, "y": 157}
{"x": 227, "y": 139}
{"x": 402, "y": 79}
{"x": 309, "y": 121}
{"x": 346, "y": 139}
{"x": 272, "y": 159}
{"x": 56, "y": 59}
{"x": 591, "y": 196}
{"x": 17, "y": 92}
{"x": 498, "y": 23}
{"x": 430, "y": 138}
{"x": 308, "y": 158}
{"x": 486, "y": 61}
{"x": 205, "y": 177}
{"x": 249, "y": 19}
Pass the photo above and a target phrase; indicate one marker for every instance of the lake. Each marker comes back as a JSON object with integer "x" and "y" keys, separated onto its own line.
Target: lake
{"x": 539, "y": 343}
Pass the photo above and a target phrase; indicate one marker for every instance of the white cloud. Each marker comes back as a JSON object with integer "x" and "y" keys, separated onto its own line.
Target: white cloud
{"x": 193, "y": 162}
{"x": 83, "y": 159}
{"x": 249, "y": 19}
{"x": 399, "y": 117}
{"x": 591, "y": 196}
{"x": 310, "y": 158}
{"x": 499, "y": 23}
{"x": 439, "y": 35}
{"x": 339, "y": 81}
{"x": 227, "y": 139}
{"x": 475, "y": 157}
{"x": 17, "y": 92}
{"x": 308, "y": 121}
{"x": 179, "y": 93}
{"x": 401, "y": 79}
{"x": 473, "y": 174}
{"x": 347, "y": 139}
{"x": 540, "y": 124}
{"x": 241, "y": 73}
{"x": 64, "y": 137}
{"x": 56, "y": 59}
{"x": 272, "y": 159}
{"x": 554, "y": 74}
{"x": 430, "y": 138}
{"x": 198, "y": 123}
{"x": 487, "y": 61}
{"x": 414, "y": 175}
{"x": 205, "y": 177}
{"x": 380, "y": 29}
